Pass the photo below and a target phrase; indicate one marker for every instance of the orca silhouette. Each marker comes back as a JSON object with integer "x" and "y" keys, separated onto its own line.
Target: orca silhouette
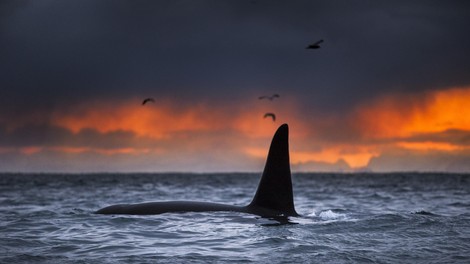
{"x": 273, "y": 198}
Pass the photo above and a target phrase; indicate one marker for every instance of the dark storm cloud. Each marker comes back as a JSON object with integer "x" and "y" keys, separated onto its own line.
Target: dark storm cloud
{"x": 57, "y": 149}
{"x": 50, "y": 136}
{"x": 56, "y": 53}
{"x": 53, "y": 136}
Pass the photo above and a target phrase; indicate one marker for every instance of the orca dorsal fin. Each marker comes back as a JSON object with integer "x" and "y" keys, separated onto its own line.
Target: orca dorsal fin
{"x": 275, "y": 188}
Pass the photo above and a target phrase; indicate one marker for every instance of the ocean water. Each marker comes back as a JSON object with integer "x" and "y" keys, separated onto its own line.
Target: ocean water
{"x": 346, "y": 218}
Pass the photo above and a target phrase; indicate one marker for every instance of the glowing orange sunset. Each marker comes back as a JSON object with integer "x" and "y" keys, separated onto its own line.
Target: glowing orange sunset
{"x": 385, "y": 123}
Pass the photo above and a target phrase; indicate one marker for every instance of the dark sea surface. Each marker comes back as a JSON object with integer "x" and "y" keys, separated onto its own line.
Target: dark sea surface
{"x": 346, "y": 218}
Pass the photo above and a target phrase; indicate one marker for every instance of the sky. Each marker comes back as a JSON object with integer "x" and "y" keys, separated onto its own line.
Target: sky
{"x": 387, "y": 91}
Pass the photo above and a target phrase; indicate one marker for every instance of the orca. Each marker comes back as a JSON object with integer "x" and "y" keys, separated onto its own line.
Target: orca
{"x": 273, "y": 198}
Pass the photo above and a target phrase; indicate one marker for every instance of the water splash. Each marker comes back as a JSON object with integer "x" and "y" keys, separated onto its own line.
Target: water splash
{"x": 330, "y": 215}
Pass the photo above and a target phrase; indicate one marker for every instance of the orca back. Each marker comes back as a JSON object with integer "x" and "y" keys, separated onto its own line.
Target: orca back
{"x": 275, "y": 188}
{"x": 273, "y": 198}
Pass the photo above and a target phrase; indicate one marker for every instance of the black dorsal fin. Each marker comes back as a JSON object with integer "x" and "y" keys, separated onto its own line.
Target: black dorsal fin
{"x": 275, "y": 188}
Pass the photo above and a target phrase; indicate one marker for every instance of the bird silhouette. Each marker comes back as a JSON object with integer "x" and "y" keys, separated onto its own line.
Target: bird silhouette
{"x": 315, "y": 45}
{"x": 272, "y": 115}
{"x": 148, "y": 100}
{"x": 270, "y": 98}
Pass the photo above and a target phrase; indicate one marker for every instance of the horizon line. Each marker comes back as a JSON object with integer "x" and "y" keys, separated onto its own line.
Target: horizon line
{"x": 230, "y": 172}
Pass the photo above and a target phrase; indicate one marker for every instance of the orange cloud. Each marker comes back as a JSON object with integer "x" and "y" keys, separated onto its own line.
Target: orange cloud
{"x": 163, "y": 119}
{"x": 151, "y": 120}
{"x": 396, "y": 121}
{"x": 358, "y": 158}
{"x": 404, "y": 115}
{"x": 30, "y": 150}
{"x": 429, "y": 145}
{"x": 249, "y": 119}
{"x": 77, "y": 150}
{"x": 387, "y": 122}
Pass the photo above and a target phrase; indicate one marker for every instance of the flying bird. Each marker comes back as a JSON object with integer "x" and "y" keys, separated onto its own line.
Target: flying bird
{"x": 315, "y": 45}
{"x": 272, "y": 115}
{"x": 270, "y": 98}
{"x": 148, "y": 100}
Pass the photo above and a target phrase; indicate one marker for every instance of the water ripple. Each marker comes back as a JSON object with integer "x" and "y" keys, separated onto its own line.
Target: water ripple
{"x": 345, "y": 219}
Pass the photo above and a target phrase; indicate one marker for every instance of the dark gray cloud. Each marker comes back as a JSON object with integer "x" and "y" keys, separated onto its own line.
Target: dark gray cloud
{"x": 44, "y": 135}
{"x": 56, "y": 53}
{"x": 49, "y": 136}
{"x": 57, "y": 149}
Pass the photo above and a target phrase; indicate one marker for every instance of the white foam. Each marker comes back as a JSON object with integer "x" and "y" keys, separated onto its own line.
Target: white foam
{"x": 330, "y": 215}
{"x": 313, "y": 214}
